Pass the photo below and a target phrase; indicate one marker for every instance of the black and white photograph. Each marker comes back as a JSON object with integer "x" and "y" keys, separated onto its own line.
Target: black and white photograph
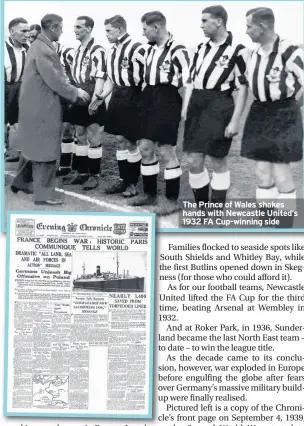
{"x": 121, "y": 272}
{"x": 162, "y": 107}
{"x": 86, "y": 280}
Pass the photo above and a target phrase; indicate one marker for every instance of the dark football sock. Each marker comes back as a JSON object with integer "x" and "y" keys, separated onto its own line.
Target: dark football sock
{"x": 149, "y": 174}
{"x": 74, "y": 156}
{"x": 199, "y": 183}
{"x": 94, "y": 160}
{"x": 172, "y": 179}
{"x": 83, "y": 160}
{"x": 67, "y": 146}
{"x": 134, "y": 162}
{"x": 122, "y": 160}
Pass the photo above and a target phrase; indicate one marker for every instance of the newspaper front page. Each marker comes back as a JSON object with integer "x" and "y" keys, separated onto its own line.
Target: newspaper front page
{"x": 228, "y": 335}
{"x": 79, "y": 315}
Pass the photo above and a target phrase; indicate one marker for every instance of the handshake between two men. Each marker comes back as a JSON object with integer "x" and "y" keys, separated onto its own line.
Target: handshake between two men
{"x": 84, "y": 99}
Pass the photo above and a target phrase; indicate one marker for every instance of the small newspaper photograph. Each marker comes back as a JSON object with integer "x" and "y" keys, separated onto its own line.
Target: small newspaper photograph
{"x": 79, "y": 315}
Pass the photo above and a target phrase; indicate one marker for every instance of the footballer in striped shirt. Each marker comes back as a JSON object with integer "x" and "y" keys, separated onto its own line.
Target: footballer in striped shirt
{"x": 273, "y": 134}
{"x": 125, "y": 71}
{"x": 68, "y": 158}
{"x": 166, "y": 72}
{"x": 15, "y": 49}
{"x": 217, "y": 69}
{"x": 35, "y": 29}
{"x": 88, "y": 73}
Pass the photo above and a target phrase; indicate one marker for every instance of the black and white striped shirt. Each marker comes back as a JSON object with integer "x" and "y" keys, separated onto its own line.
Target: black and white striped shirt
{"x": 66, "y": 59}
{"x": 168, "y": 64}
{"x": 88, "y": 63}
{"x": 66, "y": 56}
{"x": 276, "y": 75}
{"x": 219, "y": 66}
{"x": 14, "y": 60}
{"x": 125, "y": 62}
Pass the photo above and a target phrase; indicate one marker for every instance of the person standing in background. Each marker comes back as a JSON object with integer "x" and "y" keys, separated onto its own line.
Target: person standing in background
{"x": 35, "y": 29}
{"x": 24, "y": 171}
{"x": 40, "y": 114}
{"x": 14, "y": 62}
{"x": 273, "y": 133}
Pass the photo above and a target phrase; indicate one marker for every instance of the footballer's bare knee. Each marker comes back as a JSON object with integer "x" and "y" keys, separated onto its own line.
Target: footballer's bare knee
{"x": 120, "y": 143}
{"x": 263, "y": 172}
{"x": 168, "y": 154}
{"x": 283, "y": 178}
{"x": 195, "y": 161}
{"x": 81, "y": 135}
{"x": 147, "y": 150}
{"x": 220, "y": 165}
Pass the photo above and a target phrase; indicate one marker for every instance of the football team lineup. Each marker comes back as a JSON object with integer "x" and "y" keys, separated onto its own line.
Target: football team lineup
{"x": 223, "y": 123}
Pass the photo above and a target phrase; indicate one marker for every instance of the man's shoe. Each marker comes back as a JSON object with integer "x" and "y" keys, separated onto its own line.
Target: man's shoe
{"x": 91, "y": 183}
{"x": 166, "y": 207}
{"x": 12, "y": 159}
{"x": 130, "y": 192}
{"x": 76, "y": 180}
{"x": 70, "y": 176}
{"x": 142, "y": 200}
{"x": 55, "y": 202}
{"x": 15, "y": 190}
{"x": 63, "y": 171}
{"x": 118, "y": 188}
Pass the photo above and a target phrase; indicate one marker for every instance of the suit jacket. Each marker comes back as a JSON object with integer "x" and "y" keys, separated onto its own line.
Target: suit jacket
{"x": 40, "y": 112}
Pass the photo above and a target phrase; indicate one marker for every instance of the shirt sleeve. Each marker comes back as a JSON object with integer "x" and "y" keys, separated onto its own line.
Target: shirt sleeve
{"x": 108, "y": 54}
{"x": 192, "y": 66}
{"x": 140, "y": 54}
{"x": 181, "y": 61}
{"x": 99, "y": 69}
{"x": 241, "y": 67}
{"x": 66, "y": 60}
{"x": 295, "y": 62}
{"x": 138, "y": 60}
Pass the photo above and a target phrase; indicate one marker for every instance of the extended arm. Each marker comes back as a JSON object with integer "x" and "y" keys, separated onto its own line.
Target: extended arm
{"x": 51, "y": 72}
